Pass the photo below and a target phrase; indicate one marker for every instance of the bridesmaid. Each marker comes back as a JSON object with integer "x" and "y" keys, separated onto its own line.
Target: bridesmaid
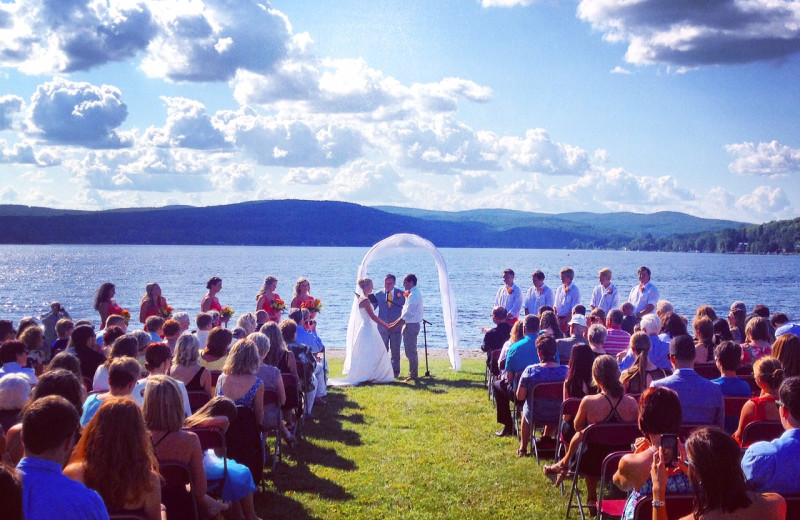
{"x": 302, "y": 290}
{"x": 105, "y": 304}
{"x": 210, "y": 301}
{"x": 266, "y": 297}
{"x": 152, "y": 302}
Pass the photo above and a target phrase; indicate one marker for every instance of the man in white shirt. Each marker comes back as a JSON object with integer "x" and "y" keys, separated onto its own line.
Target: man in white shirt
{"x": 644, "y": 296}
{"x": 539, "y": 295}
{"x": 567, "y": 296}
{"x": 509, "y": 297}
{"x": 605, "y": 295}
{"x": 411, "y": 317}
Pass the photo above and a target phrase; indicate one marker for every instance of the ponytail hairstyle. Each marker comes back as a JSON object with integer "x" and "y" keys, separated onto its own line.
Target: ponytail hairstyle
{"x": 769, "y": 371}
{"x": 640, "y": 344}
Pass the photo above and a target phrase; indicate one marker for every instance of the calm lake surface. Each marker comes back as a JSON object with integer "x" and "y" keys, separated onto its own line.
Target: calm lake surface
{"x": 33, "y": 276}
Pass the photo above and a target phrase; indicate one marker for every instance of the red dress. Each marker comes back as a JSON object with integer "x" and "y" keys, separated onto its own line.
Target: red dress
{"x": 153, "y": 310}
{"x": 215, "y": 305}
{"x": 274, "y": 314}
{"x": 298, "y": 301}
{"x": 113, "y": 308}
{"x": 759, "y": 412}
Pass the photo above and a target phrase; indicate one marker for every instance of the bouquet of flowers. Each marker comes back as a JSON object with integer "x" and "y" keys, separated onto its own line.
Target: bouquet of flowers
{"x": 278, "y": 304}
{"x": 313, "y": 306}
{"x": 126, "y": 314}
{"x": 227, "y": 313}
{"x": 165, "y": 312}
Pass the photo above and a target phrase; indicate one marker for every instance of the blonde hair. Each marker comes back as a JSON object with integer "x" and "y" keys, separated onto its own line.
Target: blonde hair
{"x": 277, "y": 346}
{"x": 267, "y": 282}
{"x": 243, "y": 359}
{"x": 247, "y": 321}
{"x": 640, "y": 345}
{"x": 604, "y": 273}
{"x": 298, "y": 283}
{"x": 363, "y": 282}
{"x": 261, "y": 342}
{"x": 187, "y": 350}
{"x": 605, "y": 372}
{"x": 163, "y": 404}
{"x": 148, "y": 295}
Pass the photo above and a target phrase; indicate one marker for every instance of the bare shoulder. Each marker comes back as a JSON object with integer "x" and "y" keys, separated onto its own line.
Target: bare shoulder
{"x": 75, "y": 471}
{"x": 773, "y": 506}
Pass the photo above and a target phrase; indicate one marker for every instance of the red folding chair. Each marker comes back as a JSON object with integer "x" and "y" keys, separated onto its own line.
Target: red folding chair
{"x": 761, "y": 431}
{"x": 215, "y": 376}
{"x": 611, "y": 501}
{"x": 677, "y": 506}
{"x": 733, "y": 410}
{"x": 197, "y": 399}
{"x": 543, "y": 395}
{"x": 180, "y": 502}
{"x": 213, "y": 439}
{"x": 273, "y": 420}
{"x": 792, "y": 506}
{"x": 569, "y": 408}
{"x": 707, "y": 370}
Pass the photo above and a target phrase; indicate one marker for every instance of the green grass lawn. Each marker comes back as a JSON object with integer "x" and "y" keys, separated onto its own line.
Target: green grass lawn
{"x": 424, "y": 450}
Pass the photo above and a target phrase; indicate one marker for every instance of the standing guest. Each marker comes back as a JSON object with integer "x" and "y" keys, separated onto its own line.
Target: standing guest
{"x": 186, "y": 366}
{"x": 644, "y": 296}
{"x": 774, "y": 466}
{"x": 125, "y": 345}
{"x": 787, "y": 349}
{"x": 210, "y": 302}
{"x": 410, "y": 317}
{"x": 49, "y": 427}
{"x": 597, "y": 338}
{"x": 728, "y": 356}
{"x": 617, "y": 340}
{"x": 495, "y": 338}
{"x": 7, "y": 331}
{"x": 14, "y": 357}
{"x": 390, "y": 303}
{"x": 154, "y": 327}
{"x": 157, "y": 361}
{"x": 769, "y": 376}
{"x": 105, "y": 304}
{"x": 701, "y": 400}
{"x": 521, "y": 355}
{"x": 117, "y": 438}
{"x": 539, "y": 295}
{"x": 509, "y": 296}
{"x": 703, "y": 340}
{"x": 567, "y": 296}
{"x": 643, "y": 372}
{"x": 577, "y": 331}
{"x": 85, "y": 348}
{"x": 605, "y": 295}
{"x": 216, "y": 351}
{"x": 757, "y": 342}
{"x": 171, "y": 331}
{"x": 659, "y": 350}
{"x": 629, "y": 319}
{"x": 183, "y": 319}
{"x": 302, "y": 293}
{"x": 153, "y": 304}
{"x": 122, "y": 375}
{"x": 268, "y": 301}
{"x": 63, "y": 330}
{"x": 204, "y": 324}
{"x": 663, "y": 307}
{"x": 737, "y": 320}
{"x": 49, "y": 321}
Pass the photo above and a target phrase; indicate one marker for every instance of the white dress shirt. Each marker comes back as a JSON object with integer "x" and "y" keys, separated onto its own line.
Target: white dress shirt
{"x": 640, "y": 297}
{"x": 537, "y": 298}
{"x": 412, "y": 308}
{"x": 511, "y": 302}
{"x": 605, "y": 298}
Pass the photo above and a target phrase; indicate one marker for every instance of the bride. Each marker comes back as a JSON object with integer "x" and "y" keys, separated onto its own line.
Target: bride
{"x": 369, "y": 360}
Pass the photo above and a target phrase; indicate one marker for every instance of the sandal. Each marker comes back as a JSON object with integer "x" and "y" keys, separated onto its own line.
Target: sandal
{"x": 521, "y": 453}
{"x": 555, "y": 473}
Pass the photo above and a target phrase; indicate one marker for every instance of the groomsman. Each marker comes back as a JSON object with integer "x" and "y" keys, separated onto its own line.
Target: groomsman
{"x": 509, "y": 296}
{"x": 410, "y": 318}
{"x": 539, "y": 295}
{"x": 605, "y": 295}
{"x": 390, "y": 305}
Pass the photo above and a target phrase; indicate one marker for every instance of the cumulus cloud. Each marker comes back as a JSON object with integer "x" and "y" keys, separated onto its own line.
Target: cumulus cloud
{"x": 311, "y": 176}
{"x": 23, "y": 153}
{"x": 474, "y": 182}
{"x": 620, "y": 70}
{"x": 365, "y": 182}
{"x": 63, "y": 111}
{"x": 686, "y": 33}
{"x": 188, "y": 125}
{"x": 8, "y": 194}
{"x": 9, "y": 106}
{"x": 764, "y": 158}
{"x": 764, "y": 201}
{"x": 537, "y": 152}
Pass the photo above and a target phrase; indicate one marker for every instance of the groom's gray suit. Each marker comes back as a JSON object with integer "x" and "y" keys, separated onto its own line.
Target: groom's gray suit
{"x": 389, "y": 311}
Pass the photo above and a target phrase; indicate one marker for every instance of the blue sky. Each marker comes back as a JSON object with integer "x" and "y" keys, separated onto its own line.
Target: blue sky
{"x": 594, "y": 105}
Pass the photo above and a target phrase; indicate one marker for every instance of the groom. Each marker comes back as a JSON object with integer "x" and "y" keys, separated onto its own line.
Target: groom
{"x": 411, "y": 317}
{"x": 390, "y": 305}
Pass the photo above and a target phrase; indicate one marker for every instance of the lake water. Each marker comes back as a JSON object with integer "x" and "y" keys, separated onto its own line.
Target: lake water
{"x": 33, "y": 276}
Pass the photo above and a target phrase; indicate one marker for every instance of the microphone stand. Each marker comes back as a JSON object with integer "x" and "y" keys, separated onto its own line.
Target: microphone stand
{"x": 425, "y": 337}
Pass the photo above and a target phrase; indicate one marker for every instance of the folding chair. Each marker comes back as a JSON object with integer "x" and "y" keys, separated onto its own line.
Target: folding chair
{"x": 180, "y": 503}
{"x": 605, "y": 438}
{"x": 677, "y": 506}
{"x": 295, "y": 402}
{"x": 545, "y": 402}
{"x": 761, "y": 431}
{"x": 215, "y": 376}
{"x": 751, "y": 380}
{"x": 612, "y": 505}
{"x": 213, "y": 439}
{"x": 494, "y": 357}
{"x": 707, "y": 370}
{"x": 569, "y": 408}
{"x": 744, "y": 370}
{"x": 273, "y": 420}
{"x": 197, "y": 399}
{"x": 126, "y": 515}
{"x": 733, "y": 410}
{"x": 792, "y": 506}
{"x": 244, "y": 442}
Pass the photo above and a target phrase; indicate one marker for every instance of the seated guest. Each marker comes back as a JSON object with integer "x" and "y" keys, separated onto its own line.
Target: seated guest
{"x": 722, "y": 331}
{"x": 577, "y": 332}
{"x": 663, "y": 307}
{"x": 659, "y": 350}
{"x": 597, "y": 338}
{"x": 11, "y": 491}
{"x": 672, "y": 326}
{"x": 659, "y": 414}
{"x": 774, "y": 466}
{"x": 629, "y": 319}
{"x": 617, "y": 340}
{"x": 204, "y": 323}
{"x": 597, "y": 316}
{"x": 110, "y": 336}
{"x": 521, "y": 355}
{"x": 757, "y": 340}
{"x": 703, "y": 340}
{"x": 33, "y": 337}
{"x": 719, "y": 487}
{"x": 123, "y": 372}
{"x": 495, "y": 338}
{"x": 304, "y": 359}
{"x": 579, "y": 382}
{"x": 643, "y": 371}
{"x": 706, "y": 311}
{"x": 517, "y": 333}
{"x": 157, "y": 360}
{"x": 611, "y": 405}
{"x": 701, "y": 400}
{"x": 238, "y": 333}
{"x": 769, "y": 376}
{"x": 153, "y": 325}
{"x": 14, "y": 357}
{"x": 50, "y": 426}
{"x": 115, "y": 320}
{"x": 261, "y": 318}
{"x": 321, "y": 372}
{"x": 117, "y": 438}
{"x": 546, "y": 371}
{"x": 85, "y": 348}
{"x": 125, "y": 345}
{"x": 216, "y": 348}
{"x": 248, "y": 322}
{"x": 183, "y": 320}
{"x": 64, "y": 328}
{"x": 186, "y": 365}
{"x": 728, "y": 355}
{"x": 239, "y": 381}
{"x": 171, "y": 331}
{"x": 787, "y": 349}
{"x": 279, "y": 356}
{"x": 737, "y": 319}
{"x": 14, "y": 392}
{"x": 7, "y": 331}
{"x": 548, "y": 324}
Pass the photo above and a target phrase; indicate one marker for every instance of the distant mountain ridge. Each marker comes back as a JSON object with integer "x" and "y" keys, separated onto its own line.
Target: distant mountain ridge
{"x": 331, "y": 223}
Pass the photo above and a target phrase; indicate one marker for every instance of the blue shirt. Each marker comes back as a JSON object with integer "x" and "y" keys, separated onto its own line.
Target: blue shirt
{"x": 47, "y": 493}
{"x": 305, "y": 338}
{"x": 774, "y": 466}
{"x": 733, "y": 386}
{"x": 701, "y": 400}
{"x": 12, "y": 367}
{"x": 658, "y": 355}
{"x": 546, "y": 411}
{"x": 521, "y": 355}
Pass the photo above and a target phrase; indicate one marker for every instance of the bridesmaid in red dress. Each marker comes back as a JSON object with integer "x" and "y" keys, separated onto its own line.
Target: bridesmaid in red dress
{"x": 152, "y": 302}
{"x": 302, "y": 290}
{"x": 266, "y": 297}
{"x": 210, "y": 301}
{"x": 104, "y": 303}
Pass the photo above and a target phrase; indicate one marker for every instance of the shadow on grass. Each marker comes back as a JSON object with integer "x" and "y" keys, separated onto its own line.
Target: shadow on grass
{"x": 277, "y": 506}
{"x": 435, "y": 385}
{"x": 329, "y": 418}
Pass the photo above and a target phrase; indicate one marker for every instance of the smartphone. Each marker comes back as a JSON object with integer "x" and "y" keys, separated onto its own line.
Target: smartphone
{"x": 669, "y": 445}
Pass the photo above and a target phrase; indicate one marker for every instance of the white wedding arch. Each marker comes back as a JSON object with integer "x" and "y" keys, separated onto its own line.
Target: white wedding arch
{"x": 392, "y": 246}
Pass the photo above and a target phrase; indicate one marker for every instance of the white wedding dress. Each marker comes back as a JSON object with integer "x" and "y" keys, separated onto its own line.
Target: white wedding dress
{"x": 369, "y": 361}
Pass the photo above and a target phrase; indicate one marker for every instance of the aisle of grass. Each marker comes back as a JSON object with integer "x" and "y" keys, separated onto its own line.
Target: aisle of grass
{"x": 412, "y": 451}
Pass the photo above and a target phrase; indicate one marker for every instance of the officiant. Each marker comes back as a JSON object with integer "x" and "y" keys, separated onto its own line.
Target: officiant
{"x": 389, "y": 303}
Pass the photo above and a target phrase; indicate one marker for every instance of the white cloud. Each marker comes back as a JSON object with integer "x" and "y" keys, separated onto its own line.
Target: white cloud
{"x": 8, "y": 194}
{"x": 687, "y": 33}
{"x": 506, "y": 3}
{"x": 368, "y": 183}
{"x": 770, "y": 158}
{"x": 621, "y": 70}
{"x": 9, "y": 106}
{"x": 765, "y": 201}
{"x": 188, "y": 125}
{"x": 474, "y": 182}
{"x": 23, "y": 153}
{"x": 537, "y": 152}
{"x": 313, "y": 176}
{"x": 62, "y": 111}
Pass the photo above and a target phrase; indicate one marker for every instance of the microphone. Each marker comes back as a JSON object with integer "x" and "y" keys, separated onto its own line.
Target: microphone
{"x": 426, "y": 322}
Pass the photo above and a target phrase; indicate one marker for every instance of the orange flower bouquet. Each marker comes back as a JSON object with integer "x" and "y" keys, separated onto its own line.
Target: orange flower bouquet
{"x": 226, "y": 313}
{"x": 125, "y": 313}
{"x": 165, "y": 312}
{"x": 278, "y": 304}
{"x": 313, "y": 306}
